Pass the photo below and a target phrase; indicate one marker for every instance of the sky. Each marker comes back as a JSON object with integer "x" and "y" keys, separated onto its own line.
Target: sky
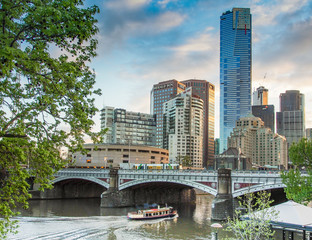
{"x": 143, "y": 42}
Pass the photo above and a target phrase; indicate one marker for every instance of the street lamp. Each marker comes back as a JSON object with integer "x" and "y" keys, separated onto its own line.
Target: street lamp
{"x": 105, "y": 160}
{"x": 216, "y": 226}
{"x": 136, "y": 160}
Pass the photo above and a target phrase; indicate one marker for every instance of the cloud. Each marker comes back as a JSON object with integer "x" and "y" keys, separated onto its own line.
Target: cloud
{"x": 126, "y": 4}
{"x": 163, "y": 3}
{"x": 268, "y": 14}
{"x": 202, "y": 43}
{"x": 118, "y": 28}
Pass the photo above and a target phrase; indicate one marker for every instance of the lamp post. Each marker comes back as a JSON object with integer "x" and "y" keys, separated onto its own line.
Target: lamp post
{"x": 136, "y": 160}
{"x": 216, "y": 226}
{"x": 105, "y": 160}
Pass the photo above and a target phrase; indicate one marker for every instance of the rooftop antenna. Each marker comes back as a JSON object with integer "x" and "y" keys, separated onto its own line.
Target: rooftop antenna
{"x": 264, "y": 77}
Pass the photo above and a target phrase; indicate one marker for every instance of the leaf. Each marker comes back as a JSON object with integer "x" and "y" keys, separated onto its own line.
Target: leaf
{"x": 41, "y": 95}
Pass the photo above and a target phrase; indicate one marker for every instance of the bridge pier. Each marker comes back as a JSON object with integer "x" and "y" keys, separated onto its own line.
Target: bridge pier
{"x": 113, "y": 197}
{"x": 222, "y": 205}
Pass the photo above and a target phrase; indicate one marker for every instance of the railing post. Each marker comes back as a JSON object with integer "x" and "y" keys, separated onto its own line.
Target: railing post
{"x": 222, "y": 205}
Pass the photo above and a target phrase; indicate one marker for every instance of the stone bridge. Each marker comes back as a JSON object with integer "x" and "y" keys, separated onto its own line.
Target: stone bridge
{"x": 241, "y": 182}
{"x": 131, "y": 187}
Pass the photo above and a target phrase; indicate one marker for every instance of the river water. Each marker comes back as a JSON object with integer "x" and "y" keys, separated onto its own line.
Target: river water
{"x": 85, "y": 219}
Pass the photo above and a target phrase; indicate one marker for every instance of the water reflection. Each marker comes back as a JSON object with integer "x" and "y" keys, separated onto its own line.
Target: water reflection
{"x": 85, "y": 217}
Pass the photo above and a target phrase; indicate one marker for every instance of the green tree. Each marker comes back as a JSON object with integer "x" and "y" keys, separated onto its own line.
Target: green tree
{"x": 257, "y": 225}
{"x": 299, "y": 184}
{"x": 185, "y": 161}
{"x": 46, "y": 87}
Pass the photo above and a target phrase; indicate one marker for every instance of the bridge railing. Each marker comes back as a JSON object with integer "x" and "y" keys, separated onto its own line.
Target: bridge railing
{"x": 83, "y": 172}
{"x": 256, "y": 173}
{"x": 167, "y": 172}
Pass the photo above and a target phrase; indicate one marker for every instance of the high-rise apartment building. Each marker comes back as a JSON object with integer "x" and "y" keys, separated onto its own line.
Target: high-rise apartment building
{"x": 206, "y": 91}
{"x": 125, "y": 127}
{"x": 107, "y": 121}
{"x": 264, "y": 147}
{"x": 161, "y": 93}
{"x": 235, "y": 69}
{"x": 260, "y": 96}
{"x": 183, "y": 127}
{"x": 290, "y": 121}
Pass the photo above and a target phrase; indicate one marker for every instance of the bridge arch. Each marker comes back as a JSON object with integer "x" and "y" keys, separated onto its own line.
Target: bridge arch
{"x": 257, "y": 188}
{"x": 192, "y": 184}
{"x": 90, "y": 179}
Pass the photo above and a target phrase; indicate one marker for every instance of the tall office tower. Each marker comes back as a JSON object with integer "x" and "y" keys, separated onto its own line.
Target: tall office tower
{"x": 260, "y": 96}
{"x": 267, "y": 115}
{"x": 235, "y": 69}
{"x": 162, "y": 92}
{"x": 183, "y": 127}
{"x": 259, "y": 143}
{"x": 206, "y": 92}
{"x": 125, "y": 127}
{"x": 290, "y": 121}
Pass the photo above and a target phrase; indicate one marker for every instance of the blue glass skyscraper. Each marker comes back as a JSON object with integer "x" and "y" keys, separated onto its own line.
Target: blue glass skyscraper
{"x": 235, "y": 69}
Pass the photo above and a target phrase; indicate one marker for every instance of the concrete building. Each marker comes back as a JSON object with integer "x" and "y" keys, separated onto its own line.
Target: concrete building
{"x": 113, "y": 155}
{"x": 206, "y": 92}
{"x": 125, "y": 127}
{"x": 161, "y": 93}
{"x": 183, "y": 127}
{"x": 260, "y": 96}
{"x": 235, "y": 69}
{"x": 290, "y": 121}
{"x": 264, "y": 147}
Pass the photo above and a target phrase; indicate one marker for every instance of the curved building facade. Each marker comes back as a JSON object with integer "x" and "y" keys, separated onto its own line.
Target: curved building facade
{"x": 115, "y": 155}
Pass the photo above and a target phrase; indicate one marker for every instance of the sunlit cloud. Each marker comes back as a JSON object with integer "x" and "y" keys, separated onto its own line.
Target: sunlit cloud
{"x": 126, "y": 4}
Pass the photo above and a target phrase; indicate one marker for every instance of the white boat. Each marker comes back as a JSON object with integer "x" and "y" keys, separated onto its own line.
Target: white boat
{"x": 153, "y": 213}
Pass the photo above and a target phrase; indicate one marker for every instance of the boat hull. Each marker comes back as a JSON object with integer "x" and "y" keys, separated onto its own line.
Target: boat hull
{"x": 152, "y": 217}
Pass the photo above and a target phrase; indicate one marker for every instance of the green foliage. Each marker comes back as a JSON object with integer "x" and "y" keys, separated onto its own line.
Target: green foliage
{"x": 301, "y": 153}
{"x": 257, "y": 225}
{"x": 185, "y": 161}
{"x": 299, "y": 185}
{"x": 46, "y": 93}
